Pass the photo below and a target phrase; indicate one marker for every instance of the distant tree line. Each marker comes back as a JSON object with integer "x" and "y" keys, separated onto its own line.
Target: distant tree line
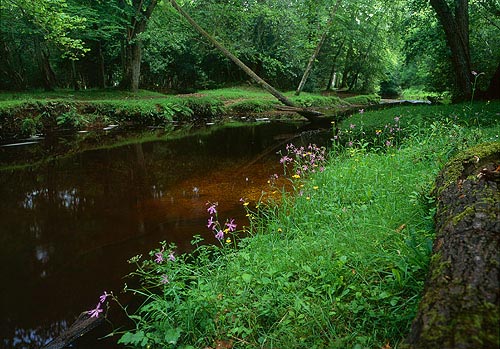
{"x": 365, "y": 44}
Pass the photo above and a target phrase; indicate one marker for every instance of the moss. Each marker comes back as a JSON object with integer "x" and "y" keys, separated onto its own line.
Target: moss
{"x": 457, "y": 167}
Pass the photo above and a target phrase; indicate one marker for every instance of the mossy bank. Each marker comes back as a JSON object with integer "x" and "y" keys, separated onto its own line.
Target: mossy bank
{"x": 26, "y": 114}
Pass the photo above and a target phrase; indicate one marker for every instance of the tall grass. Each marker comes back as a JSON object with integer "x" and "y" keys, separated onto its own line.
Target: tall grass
{"x": 340, "y": 263}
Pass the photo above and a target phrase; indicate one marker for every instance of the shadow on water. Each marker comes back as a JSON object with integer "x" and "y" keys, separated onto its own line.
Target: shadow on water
{"x": 69, "y": 224}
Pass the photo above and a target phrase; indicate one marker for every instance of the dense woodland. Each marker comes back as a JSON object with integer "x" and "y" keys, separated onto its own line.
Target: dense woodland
{"x": 364, "y": 46}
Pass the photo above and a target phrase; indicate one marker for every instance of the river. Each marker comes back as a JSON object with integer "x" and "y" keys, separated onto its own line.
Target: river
{"x": 70, "y": 219}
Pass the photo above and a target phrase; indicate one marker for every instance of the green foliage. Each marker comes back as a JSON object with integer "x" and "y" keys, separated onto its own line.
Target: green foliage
{"x": 339, "y": 263}
{"x": 312, "y": 100}
{"x": 390, "y": 88}
{"x": 363, "y": 99}
{"x": 417, "y": 93}
{"x": 205, "y": 107}
{"x": 71, "y": 119}
{"x": 252, "y": 106}
{"x": 30, "y": 126}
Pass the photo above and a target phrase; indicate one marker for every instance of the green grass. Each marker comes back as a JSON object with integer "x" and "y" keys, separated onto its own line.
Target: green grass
{"x": 67, "y": 94}
{"x": 363, "y": 99}
{"x": 419, "y": 94}
{"x": 239, "y": 92}
{"x": 340, "y": 263}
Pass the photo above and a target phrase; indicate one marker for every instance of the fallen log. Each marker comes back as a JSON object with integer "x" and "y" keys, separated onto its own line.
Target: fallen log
{"x": 83, "y": 324}
{"x": 310, "y": 114}
{"x": 460, "y": 304}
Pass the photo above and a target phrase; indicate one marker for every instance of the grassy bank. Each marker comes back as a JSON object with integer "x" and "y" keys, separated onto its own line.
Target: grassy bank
{"x": 25, "y": 114}
{"x": 339, "y": 263}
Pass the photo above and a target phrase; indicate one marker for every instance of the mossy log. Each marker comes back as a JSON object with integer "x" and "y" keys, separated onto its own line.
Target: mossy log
{"x": 460, "y": 304}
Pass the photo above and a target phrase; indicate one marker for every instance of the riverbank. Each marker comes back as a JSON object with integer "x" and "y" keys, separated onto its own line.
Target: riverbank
{"x": 28, "y": 114}
{"x": 341, "y": 263}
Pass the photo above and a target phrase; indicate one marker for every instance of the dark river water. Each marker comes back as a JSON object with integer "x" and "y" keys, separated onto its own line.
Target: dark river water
{"x": 68, "y": 224}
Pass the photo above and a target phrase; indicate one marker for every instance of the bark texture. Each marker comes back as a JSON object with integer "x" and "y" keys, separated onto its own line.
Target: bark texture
{"x": 82, "y": 325}
{"x": 460, "y": 305}
{"x": 456, "y": 28}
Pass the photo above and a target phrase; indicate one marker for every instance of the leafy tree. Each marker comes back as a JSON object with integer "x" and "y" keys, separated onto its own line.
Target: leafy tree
{"x": 39, "y": 25}
{"x": 139, "y": 12}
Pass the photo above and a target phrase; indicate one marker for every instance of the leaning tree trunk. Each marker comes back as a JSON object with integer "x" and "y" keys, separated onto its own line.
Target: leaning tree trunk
{"x": 316, "y": 51}
{"x": 460, "y": 305}
{"x": 309, "y": 114}
{"x": 456, "y": 28}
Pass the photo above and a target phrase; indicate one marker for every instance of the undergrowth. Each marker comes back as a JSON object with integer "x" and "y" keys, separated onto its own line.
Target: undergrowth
{"x": 338, "y": 263}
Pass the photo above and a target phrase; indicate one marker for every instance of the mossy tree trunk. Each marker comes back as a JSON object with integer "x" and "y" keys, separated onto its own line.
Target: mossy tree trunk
{"x": 460, "y": 305}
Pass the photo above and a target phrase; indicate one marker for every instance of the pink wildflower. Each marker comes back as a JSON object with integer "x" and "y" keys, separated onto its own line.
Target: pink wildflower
{"x": 103, "y": 297}
{"x": 159, "y": 257}
{"x": 96, "y": 311}
{"x": 211, "y": 223}
{"x": 231, "y": 226}
{"x": 212, "y": 209}
{"x": 220, "y": 235}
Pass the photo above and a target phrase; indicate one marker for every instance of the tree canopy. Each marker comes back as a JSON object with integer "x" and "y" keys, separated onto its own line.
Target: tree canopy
{"x": 369, "y": 46}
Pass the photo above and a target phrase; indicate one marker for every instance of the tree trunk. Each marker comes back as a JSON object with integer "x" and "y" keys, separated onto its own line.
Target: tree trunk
{"x": 47, "y": 74}
{"x": 493, "y": 91}
{"x": 460, "y": 305}
{"x": 133, "y": 46}
{"x": 318, "y": 48}
{"x": 74, "y": 76}
{"x": 14, "y": 72}
{"x": 347, "y": 66}
{"x": 456, "y": 28}
{"x": 100, "y": 61}
{"x": 333, "y": 73}
{"x": 311, "y": 115}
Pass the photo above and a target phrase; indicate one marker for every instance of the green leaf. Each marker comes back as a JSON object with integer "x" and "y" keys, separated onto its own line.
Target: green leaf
{"x": 246, "y": 277}
{"x": 133, "y": 338}
{"x": 172, "y": 335}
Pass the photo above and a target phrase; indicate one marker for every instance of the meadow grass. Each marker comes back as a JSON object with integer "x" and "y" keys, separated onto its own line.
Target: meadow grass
{"x": 68, "y": 94}
{"x": 338, "y": 263}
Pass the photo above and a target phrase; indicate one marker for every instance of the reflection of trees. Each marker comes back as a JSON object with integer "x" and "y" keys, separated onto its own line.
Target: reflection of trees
{"x": 67, "y": 215}
{"x": 34, "y": 338}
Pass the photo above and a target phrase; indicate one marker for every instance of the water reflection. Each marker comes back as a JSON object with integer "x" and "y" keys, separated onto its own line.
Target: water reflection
{"x": 70, "y": 224}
